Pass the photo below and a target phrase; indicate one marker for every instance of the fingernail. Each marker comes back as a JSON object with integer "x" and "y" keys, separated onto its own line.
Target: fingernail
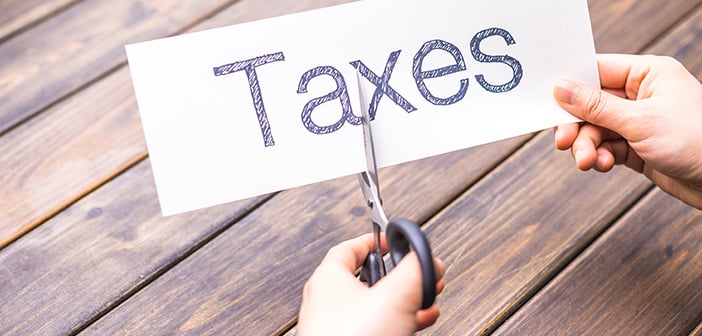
{"x": 564, "y": 91}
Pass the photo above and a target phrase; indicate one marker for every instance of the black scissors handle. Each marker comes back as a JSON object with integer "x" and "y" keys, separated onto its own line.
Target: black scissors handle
{"x": 403, "y": 234}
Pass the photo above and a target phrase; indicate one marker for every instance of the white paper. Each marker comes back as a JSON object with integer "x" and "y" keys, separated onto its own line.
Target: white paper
{"x": 206, "y": 140}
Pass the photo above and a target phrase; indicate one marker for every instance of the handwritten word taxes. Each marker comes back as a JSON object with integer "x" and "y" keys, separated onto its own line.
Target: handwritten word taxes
{"x": 383, "y": 88}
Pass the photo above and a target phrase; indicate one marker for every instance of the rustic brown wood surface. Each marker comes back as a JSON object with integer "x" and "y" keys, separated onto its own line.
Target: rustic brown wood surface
{"x": 641, "y": 278}
{"x": 108, "y": 245}
{"x": 644, "y": 23}
{"x": 79, "y": 45}
{"x": 83, "y": 248}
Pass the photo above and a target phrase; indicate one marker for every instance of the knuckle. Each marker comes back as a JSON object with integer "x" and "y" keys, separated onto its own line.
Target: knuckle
{"x": 311, "y": 283}
{"x": 595, "y": 105}
{"x": 669, "y": 60}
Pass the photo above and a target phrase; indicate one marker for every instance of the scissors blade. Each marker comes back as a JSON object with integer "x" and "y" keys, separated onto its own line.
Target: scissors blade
{"x": 369, "y": 178}
{"x": 371, "y": 166}
{"x": 374, "y": 266}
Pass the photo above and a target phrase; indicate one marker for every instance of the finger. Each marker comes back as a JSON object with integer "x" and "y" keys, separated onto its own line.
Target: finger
{"x": 610, "y": 153}
{"x": 634, "y": 162}
{"x": 426, "y": 318}
{"x": 605, "y": 159}
{"x": 404, "y": 282}
{"x": 585, "y": 146}
{"x": 440, "y": 270}
{"x": 565, "y": 135}
{"x": 350, "y": 254}
{"x": 614, "y": 69}
{"x": 621, "y": 93}
{"x": 595, "y": 106}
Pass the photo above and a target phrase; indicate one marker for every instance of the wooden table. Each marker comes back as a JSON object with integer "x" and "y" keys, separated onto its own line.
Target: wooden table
{"x": 533, "y": 246}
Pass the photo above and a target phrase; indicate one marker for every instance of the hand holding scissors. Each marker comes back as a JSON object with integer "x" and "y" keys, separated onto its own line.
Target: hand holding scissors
{"x": 401, "y": 233}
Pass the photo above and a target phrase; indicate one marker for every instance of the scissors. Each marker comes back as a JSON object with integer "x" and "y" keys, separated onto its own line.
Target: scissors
{"x": 401, "y": 233}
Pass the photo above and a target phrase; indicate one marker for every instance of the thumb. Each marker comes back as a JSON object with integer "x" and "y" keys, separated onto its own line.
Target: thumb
{"x": 404, "y": 283}
{"x": 595, "y": 106}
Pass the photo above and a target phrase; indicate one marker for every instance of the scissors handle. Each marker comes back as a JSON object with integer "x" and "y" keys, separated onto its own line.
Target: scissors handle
{"x": 403, "y": 234}
{"x": 374, "y": 266}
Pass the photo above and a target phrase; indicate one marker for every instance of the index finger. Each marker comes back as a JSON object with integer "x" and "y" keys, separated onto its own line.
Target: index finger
{"x": 614, "y": 70}
{"x": 623, "y": 74}
{"x": 352, "y": 253}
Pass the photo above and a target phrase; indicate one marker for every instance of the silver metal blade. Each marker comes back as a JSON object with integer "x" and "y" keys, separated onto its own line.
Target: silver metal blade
{"x": 371, "y": 166}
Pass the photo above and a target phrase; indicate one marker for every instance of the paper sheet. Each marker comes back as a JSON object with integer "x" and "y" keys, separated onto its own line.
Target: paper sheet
{"x": 245, "y": 110}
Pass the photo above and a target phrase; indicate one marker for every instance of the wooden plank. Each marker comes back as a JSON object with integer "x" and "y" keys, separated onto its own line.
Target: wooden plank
{"x": 682, "y": 43}
{"x": 626, "y": 264}
{"x": 697, "y": 331}
{"x": 94, "y": 135}
{"x": 644, "y": 22}
{"x": 19, "y": 14}
{"x": 69, "y": 50}
{"x": 248, "y": 280}
{"x": 641, "y": 278}
{"x": 86, "y": 258}
{"x": 69, "y": 151}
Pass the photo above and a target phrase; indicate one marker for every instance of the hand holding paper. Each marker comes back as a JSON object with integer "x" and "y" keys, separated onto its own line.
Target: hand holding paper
{"x": 250, "y": 109}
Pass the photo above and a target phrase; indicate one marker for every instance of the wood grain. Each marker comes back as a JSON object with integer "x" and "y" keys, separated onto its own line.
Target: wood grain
{"x": 71, "y": 49}
{"x": 85, "y": 140}
{"x": 697, "y": 331}
{"x": 16, "y": 15}
{"x": 63, "y": 154}
{"x": 641, "y": 278}
{"x": 89, "y": 256}
{"x": 644, "y": 22}
{"x": 683, "y": 43}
